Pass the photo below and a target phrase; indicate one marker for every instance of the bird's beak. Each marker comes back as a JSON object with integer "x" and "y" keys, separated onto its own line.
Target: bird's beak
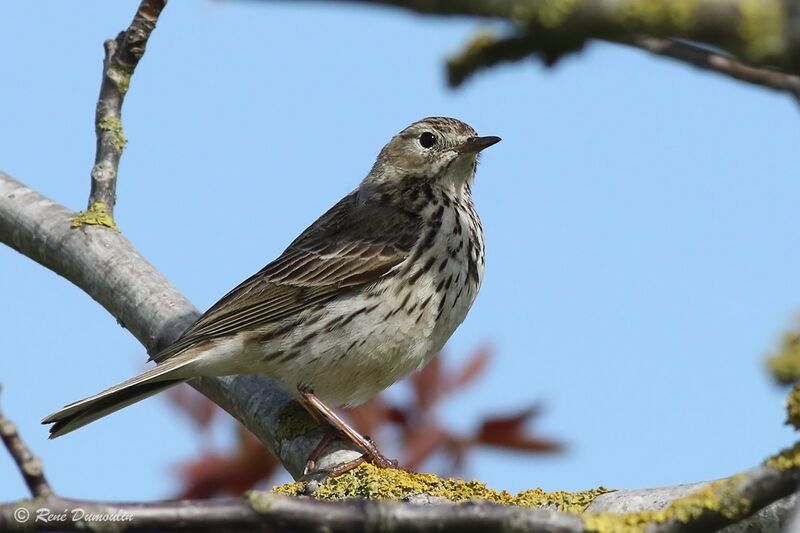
{"x": 476, "y": 144}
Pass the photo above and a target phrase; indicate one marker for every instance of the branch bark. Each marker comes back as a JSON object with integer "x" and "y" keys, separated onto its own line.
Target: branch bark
{"x": 275, "y": 512}
{"x": 285, "y": 513}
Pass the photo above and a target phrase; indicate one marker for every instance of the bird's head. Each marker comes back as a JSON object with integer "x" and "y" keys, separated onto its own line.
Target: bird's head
{"x": 438, "y": 149}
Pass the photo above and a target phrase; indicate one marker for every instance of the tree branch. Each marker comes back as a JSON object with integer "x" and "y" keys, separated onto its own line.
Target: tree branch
{"x": 107, "y": 267}
{"x": 28, "y": 465}
{"x": 274, "y": 512}
{"x": 285, "y": 513}
{"x": 122, "y": 55}
{"x": 764, "y": 34}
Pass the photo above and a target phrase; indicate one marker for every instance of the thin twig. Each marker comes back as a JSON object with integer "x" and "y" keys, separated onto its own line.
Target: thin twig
{"x": 122, "y": 55}
{"x": 486, "y": 50}
{"x": 28, "y": 464}
{"x": 722, "y": 63}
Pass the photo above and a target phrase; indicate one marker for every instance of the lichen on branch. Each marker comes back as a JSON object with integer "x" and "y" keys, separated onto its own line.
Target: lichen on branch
{"x": 96, "y": 215}
{"x": 370, "y": 482}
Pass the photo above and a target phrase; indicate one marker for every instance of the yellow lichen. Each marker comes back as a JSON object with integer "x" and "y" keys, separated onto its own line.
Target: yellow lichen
{"x": 785, "y": 365}
{"x": 114, "y": 126}
{"x": 96, "y": 215}
{"x": 786, "y": 459}
{"x": 294, "y": 421}
{"x": 368, "y": 481}
{"x": 761, "y": 27}
{"x": 720, "y": 497}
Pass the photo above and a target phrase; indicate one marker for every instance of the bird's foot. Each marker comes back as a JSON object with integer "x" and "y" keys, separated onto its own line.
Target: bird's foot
{"x": 374, "y": 456}
{"x": 371, "y": 455}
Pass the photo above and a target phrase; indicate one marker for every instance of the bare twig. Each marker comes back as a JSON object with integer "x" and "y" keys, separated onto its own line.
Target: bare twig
{"x": 719, "y": 62}
{"x": 122, "y": 55}
{"x": 29, "y": 465}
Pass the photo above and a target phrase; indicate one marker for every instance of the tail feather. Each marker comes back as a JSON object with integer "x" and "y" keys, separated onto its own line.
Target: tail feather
{"x": 146, "y": 384}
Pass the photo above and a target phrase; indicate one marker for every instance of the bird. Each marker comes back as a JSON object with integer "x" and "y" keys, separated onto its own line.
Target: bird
{"x": 364, "y": 297}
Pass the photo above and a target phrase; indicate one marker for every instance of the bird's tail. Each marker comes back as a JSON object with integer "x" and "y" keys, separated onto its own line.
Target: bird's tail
{"x": 146, "y": 384}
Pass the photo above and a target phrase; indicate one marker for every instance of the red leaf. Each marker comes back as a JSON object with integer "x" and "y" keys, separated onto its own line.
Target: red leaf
{"x": 509, "y": 432}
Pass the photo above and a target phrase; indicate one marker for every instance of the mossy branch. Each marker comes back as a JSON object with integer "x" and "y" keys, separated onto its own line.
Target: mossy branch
{"x": 370, "y": 499}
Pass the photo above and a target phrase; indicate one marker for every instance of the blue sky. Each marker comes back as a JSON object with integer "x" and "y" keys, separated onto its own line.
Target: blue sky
{"x": 640, "y": 218}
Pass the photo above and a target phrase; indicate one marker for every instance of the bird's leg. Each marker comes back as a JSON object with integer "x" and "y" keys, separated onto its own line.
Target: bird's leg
{"x": 327, "y": 437}
{"x": 321, "y": 411}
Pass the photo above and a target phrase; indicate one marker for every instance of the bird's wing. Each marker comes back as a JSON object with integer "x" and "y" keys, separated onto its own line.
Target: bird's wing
{"x": 352, "y": 244}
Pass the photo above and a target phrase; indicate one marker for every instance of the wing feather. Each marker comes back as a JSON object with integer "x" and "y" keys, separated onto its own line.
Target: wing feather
{"x": 354, "y": 243}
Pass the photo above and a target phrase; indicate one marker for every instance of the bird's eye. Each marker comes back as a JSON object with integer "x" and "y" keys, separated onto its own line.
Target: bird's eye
{"x": 427, "y": 139}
